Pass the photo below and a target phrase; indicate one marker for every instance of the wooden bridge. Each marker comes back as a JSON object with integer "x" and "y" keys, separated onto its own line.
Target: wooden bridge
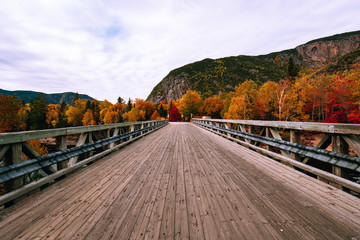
{"x": 181, "y": 182}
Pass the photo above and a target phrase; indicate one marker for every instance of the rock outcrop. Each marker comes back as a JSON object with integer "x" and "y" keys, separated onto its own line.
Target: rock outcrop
{"x": 170, "y": 88}
{"x": 316, "y": 54}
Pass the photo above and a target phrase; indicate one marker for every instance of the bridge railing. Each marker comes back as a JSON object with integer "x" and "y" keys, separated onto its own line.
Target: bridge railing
{"x": 334, "y": 159}
{"x": 20, "y": 176}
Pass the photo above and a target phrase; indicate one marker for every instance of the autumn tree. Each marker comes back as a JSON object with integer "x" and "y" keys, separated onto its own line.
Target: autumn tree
{"x": 242, "y": 104}
{"x": 88, "y": 119}
{"x": 103, "y": 109}
{"x": 134, "y": 115}
{"x": 213, "y": 106}
{"x": 174, "y": 115}
{"x": 147, "y": 107}
{"x": 52, "y": 115}
{"x": 38, "y": 111}
{"x": 237, "y": 108}
{"x": 298, "y": 101}
{"x": 282, "y": 92}
{"x": 75, "y": 114}
{"x": 9, "y": 109}
{"x": 114, "y": 113}
{"x": 155, "y": 116}
{"x": 265, "y": 105}
{"x": 322, "y": 86}
{"x": 341, "y": 107}
{"x": 191, "y": 104}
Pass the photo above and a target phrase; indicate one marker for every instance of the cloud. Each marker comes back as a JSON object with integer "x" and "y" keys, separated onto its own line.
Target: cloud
{"x": 124, "y": 48}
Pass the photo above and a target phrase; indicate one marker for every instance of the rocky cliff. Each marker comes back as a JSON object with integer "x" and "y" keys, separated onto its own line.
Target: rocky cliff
{"x": 320, "y": 52}
{"x": 211, "y": 77}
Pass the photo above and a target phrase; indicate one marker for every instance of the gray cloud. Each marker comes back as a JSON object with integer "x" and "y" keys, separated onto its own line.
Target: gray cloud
{"x": 124, "y": 48}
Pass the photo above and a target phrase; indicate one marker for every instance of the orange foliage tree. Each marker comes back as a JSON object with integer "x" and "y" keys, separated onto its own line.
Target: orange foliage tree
{"x": 88, "y": 119}
{"x": 213, "y": 106}
{"x": 266, "y": 101}
{"x": 147, "y": 107}
{"x": 155, "y": 116}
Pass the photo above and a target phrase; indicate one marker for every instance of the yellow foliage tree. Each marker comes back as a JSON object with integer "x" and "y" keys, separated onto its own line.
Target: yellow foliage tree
{"x": 191, "y": 104}
{"x": 52, "y": 115}
{"x": 300, "y": 94}
{"x": 111, "y": 117}
{"x": 75, "y": 113}
{"x": 134, "y": 115}
{"x": 237, "y": 108}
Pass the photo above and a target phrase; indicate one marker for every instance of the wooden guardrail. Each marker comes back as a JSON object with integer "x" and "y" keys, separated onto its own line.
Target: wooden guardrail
{"x": 93, "y": 142}
{"x": 335, "y": 166}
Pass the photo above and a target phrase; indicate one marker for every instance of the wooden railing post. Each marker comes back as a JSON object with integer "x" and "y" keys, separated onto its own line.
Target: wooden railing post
{"x": 13, "y": 155}
{"x": 132, "y": 128}
{"x": 338, "y": 145}
{"x": 267, "y": 134}
{"x": 295, "y": 138}
{"x": 61, "y": 145}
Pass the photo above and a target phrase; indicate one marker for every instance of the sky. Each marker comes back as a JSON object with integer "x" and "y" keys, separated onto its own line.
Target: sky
{"x": 123, "y": 48}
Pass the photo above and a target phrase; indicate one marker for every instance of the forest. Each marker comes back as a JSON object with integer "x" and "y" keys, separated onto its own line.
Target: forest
{"x": 307, "y": 97}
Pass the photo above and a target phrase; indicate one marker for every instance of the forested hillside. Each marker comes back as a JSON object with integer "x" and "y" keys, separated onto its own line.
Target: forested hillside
{"x": 215, "y": 76}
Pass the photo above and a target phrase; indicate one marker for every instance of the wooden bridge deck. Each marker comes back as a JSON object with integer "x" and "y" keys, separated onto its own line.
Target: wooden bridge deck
{"x": 184, "y": 182}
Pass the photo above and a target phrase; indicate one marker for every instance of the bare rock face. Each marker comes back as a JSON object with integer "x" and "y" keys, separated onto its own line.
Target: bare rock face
{"x": 170, "y": 88}
{"x": 318, "y": 53}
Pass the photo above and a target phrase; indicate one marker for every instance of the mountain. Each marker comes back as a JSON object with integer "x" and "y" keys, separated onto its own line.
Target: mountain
{"x": 53, "y": 98}
{"x": 213, "y": 76}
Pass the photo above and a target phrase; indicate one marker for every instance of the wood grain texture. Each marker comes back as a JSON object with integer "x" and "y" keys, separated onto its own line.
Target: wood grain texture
{"x": 183, "y": 182}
